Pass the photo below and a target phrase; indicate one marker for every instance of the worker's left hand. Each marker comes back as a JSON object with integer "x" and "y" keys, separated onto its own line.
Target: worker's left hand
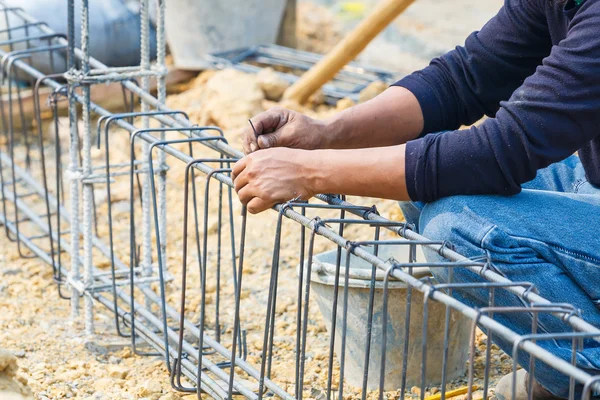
{"x": 267, "y": 177}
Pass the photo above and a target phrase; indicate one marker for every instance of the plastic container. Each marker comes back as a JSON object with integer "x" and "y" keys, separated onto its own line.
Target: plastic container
{"x": 322, "y": 283}
{"x": 195, "y": 28}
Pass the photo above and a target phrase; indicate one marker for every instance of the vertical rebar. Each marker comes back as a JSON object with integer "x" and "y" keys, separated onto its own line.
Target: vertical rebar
{"x": 88, "y": 188}
{"x": 146, "y": 218}
{"x": 161, "y": 88}
{"x": 73, "y": 164}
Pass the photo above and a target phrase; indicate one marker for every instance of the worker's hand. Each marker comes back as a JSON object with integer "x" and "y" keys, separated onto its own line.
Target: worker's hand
{"x": 265, "y": 178}
{"x": 279, "y": 127}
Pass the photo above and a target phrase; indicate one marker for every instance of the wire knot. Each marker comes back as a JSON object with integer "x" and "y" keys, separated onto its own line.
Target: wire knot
{"x": 317, "y": 223}
{"x": 373, "y": 209}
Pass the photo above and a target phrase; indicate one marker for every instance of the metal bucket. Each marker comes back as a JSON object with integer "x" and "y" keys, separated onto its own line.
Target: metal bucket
{"x": 322, "y": 282}
{"x": 196, "y": 28}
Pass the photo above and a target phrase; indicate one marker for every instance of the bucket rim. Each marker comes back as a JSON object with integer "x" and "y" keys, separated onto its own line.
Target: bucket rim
{"x": 324, "y": 273}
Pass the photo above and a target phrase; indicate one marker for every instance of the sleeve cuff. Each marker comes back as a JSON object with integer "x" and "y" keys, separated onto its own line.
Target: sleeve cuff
{"x": 412, "y": 158}
{"x": 418, "y": 85}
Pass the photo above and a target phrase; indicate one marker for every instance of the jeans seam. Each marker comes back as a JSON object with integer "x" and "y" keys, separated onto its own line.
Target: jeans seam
{"x": 486, "y": 234}
{"x": 571, "y": 253}
{"x": 575, "y": 254}
{"x": 487, "y": 252}
{"x": 578, "y": 184}
{"x": 541, "y": 325}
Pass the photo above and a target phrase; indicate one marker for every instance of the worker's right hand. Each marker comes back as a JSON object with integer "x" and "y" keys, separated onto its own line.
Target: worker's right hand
{"x": 279, "y": 127}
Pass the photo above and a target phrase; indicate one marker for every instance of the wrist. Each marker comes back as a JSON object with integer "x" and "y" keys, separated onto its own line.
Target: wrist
{"x": 333, "y": 128}
{"x": 315, "y": 171}
{"x": 318, "y": 135}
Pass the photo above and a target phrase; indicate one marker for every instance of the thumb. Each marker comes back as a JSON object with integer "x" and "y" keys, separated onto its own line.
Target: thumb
{"x": 267, "y": 140}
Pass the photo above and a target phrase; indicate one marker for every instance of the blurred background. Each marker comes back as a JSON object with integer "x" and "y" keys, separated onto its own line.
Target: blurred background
{"x": 426, "y": 29}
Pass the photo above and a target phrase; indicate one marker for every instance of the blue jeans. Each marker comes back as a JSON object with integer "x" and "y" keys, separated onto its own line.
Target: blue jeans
{"x": 548, "y": 235}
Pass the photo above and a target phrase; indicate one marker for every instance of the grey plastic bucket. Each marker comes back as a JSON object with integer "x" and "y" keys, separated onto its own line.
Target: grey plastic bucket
{"x": 322, "y": 282}
{"x": 198, "y": 27}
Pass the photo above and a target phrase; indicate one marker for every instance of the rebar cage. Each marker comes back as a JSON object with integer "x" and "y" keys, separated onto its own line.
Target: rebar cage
{"x": 99, "y": 218}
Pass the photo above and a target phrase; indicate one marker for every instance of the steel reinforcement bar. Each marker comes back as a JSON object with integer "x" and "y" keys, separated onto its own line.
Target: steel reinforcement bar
{"x": 157, "y": 333}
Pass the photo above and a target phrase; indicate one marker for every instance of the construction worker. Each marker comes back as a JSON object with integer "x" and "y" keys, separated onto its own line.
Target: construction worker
{"x": 509, "y": 188}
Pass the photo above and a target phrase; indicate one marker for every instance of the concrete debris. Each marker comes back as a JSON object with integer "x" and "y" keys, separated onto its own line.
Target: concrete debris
{"x": 228, "y": 98}
{"x": 317, "y": 28}
{"x": 272, "y": 84}
{"x": 12, "y": 385}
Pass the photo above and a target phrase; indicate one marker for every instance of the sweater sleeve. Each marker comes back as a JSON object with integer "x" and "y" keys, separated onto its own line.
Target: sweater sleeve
{"x": 551, "y": 115}
{"x": 461, "y": 86}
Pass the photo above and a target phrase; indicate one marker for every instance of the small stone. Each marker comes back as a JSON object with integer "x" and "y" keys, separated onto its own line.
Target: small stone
{"x": 344, "y": 103}
{"x": 19, "y": 353}
{"x": 103, "y": 384}
{"x": 415, "y": 390}
{"x": 9, "y": 272}
{"x": 272, "y": 84}
{"x": 117, "y": 371}
{"x": 149, "y": 388}
{"x": 317, "y": 394}
{"x": 38, "y": 376}
{"x": 69, "y": 376}
{"x": 434, "y": 390}
{"x": 258, "y": 344}
{"x": 126, "y": 353}
{"x": 96, "y": 348}
{"x": 170, "y": 396}
{"x": 114, "y": 360}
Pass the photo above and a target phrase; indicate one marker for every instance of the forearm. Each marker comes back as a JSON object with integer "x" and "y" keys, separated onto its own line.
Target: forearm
{"x": 394, "y": 117}
{"x": 375, "y": 172}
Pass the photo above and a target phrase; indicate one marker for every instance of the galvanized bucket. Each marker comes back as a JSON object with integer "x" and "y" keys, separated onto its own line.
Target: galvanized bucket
{"x": 322, "y": 282}
{"x": 198, "y": 27}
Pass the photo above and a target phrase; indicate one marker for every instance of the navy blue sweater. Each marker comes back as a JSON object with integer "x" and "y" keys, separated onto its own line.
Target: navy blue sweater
{"x": 534, "y": 69}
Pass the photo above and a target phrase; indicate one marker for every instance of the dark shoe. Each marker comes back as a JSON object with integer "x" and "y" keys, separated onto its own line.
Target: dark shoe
{"x": 504, "y": 391}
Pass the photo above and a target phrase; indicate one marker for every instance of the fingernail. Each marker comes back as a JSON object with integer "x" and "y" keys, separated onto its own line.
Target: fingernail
{"x": 264, "y": 143}
{"x": 253, "y": 147}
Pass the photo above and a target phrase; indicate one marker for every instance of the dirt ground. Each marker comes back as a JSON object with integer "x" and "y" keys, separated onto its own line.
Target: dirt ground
{"x": 57, "y": 361}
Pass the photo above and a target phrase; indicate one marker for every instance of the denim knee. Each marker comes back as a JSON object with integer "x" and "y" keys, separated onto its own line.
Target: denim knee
{"x": 451, "y": 220}
{"x": 412, "y": 212}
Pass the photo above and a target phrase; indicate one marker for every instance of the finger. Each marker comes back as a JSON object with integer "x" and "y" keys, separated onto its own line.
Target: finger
{"x": 270, "y": 120}
{"x": 241, "y": 181}
{"x": 248, "y": 141}
{"x": 246, "y": 195}
{"x": 267, "y": 140}
{"x": 238, "y": 167}
{"x": 257, "y": 205}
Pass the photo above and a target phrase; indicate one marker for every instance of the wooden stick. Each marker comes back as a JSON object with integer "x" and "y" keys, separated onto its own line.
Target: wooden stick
{"x": 346, "y": 50}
